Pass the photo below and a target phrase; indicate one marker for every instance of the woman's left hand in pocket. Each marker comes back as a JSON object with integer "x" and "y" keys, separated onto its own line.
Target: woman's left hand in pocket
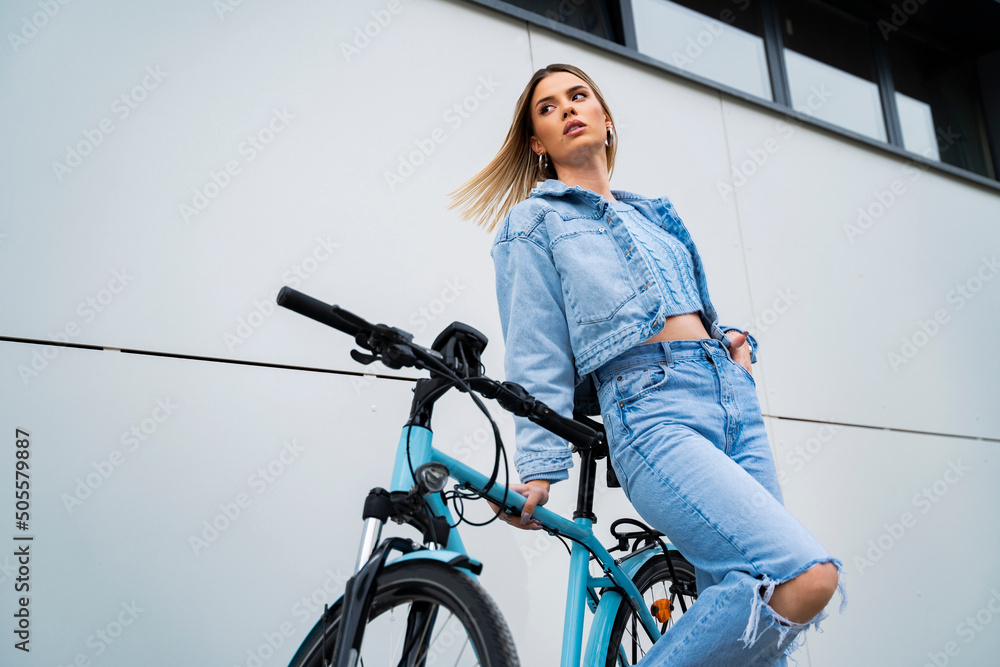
{"x": 739, "y": 350}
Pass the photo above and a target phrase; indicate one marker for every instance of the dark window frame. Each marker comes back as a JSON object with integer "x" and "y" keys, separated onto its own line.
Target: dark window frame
{"x": 774, "y": 51}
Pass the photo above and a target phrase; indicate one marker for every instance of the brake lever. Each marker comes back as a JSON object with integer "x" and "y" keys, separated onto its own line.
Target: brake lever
{"x": 363, "y": 358}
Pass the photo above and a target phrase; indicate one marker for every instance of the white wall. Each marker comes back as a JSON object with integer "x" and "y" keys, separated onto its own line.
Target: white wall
{"x": 857, "y": 436}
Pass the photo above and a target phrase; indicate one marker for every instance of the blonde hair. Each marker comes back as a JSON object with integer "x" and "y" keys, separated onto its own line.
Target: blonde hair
{"x": 513, "y": 172}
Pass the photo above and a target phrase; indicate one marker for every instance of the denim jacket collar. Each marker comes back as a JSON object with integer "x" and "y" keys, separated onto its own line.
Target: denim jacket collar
{"x": 555, "y": 188}
{"x": 599, "y": 203}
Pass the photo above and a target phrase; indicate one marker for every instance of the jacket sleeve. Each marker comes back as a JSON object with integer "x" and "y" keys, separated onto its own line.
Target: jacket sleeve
{"x": 538, "y": 354}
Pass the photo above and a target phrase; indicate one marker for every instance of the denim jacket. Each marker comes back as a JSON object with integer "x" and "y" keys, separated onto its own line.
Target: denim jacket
{"x": 573, "y": 294}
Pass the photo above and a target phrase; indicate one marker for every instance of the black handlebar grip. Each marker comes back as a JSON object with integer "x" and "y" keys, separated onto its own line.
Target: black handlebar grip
{"x": 579, "y": 434}
{"x": 304, "y": 304}
{"x": 516, "y": 399}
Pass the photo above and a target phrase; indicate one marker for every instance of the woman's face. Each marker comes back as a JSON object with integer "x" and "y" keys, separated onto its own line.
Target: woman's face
{"x": 568, "y": 119}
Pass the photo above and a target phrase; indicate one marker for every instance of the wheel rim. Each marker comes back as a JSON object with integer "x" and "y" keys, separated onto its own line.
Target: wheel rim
{"x": 635, "y": 643}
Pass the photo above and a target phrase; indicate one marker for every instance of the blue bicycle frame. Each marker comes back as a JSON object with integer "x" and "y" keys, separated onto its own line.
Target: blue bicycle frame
{"x": 583, "y": 590}
{"x": 455, "y": 355}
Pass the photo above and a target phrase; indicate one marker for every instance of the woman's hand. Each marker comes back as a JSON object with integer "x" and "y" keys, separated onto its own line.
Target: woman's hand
{"x": 537, "y": 493}
{"x": 739, "y": 350}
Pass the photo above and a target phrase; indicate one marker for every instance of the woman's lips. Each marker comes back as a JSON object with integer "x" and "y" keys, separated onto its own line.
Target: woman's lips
{"x": 575, "y": 130}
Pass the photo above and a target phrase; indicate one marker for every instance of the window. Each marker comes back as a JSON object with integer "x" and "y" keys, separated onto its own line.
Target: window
{"x": 831, "y": 67}
{"x": 593, "y": 16}
{"x": 717, "y": 39}
{"x": 940, "y": 109}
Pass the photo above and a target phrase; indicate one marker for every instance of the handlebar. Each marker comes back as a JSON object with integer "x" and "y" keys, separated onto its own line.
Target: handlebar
{"x": 332, "y": 316}
{"x": 395, "y": 348}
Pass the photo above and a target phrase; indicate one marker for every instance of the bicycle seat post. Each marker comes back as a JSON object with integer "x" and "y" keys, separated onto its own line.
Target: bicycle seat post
{"x": 585, "y": 493}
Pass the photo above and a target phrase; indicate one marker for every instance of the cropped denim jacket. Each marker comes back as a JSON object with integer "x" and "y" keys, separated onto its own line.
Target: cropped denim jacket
{"x": 574, "y": 292}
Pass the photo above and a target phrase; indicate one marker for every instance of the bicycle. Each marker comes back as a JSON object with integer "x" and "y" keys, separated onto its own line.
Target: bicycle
{"x": 634, "y": 601}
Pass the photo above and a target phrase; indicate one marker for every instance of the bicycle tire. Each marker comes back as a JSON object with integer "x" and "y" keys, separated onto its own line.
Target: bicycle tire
{"x": 420, "y": 587}
{"x": 628, "y": 641}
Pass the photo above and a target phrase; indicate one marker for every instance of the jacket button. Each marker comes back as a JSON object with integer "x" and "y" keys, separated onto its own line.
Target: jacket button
{"x": 619, "y": 377}
{"x": 621, "y": 404}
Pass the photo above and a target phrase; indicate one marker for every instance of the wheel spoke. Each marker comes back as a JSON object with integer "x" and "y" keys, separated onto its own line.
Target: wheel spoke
{"x": 444, "y": 613}
{"x": 629, "y": 639}
{"x": 395, "y": 645}
{"x": 418, "y": 625}
{"x": 426, "y": 647}
{"x": 444, "y": 625}
{"x": 460, "y": 653}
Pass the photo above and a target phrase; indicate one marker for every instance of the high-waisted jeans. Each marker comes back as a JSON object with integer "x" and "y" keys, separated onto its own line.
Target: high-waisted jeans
{"x": 688, "y": 444}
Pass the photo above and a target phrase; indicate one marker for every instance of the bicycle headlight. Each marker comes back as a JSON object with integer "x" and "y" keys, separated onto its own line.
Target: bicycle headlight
{"x": 431, "y": 477}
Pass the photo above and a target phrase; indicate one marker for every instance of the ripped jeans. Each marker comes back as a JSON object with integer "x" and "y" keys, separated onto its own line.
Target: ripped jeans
{"x": 688, "y": 444}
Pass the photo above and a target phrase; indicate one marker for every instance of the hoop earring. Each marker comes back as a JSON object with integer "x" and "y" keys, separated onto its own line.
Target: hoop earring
{"x": 610, "y": 141}
{"x": 543, "y": 162}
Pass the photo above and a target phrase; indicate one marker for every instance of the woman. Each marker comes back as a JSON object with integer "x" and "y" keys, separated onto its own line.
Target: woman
{"x": 604, "y": 290}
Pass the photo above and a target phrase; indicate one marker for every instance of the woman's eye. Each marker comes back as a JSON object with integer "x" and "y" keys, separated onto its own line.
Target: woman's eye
{"x": 545, "y": 109}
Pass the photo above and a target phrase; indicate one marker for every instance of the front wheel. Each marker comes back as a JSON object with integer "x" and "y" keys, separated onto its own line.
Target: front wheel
{"x": 629, "y": 641}
{"x": 423, "y": 614}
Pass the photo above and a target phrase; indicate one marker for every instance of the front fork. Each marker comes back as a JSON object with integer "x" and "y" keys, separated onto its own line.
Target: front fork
{"x": 369, "y": 540}
{"x": 360, "y": 591}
